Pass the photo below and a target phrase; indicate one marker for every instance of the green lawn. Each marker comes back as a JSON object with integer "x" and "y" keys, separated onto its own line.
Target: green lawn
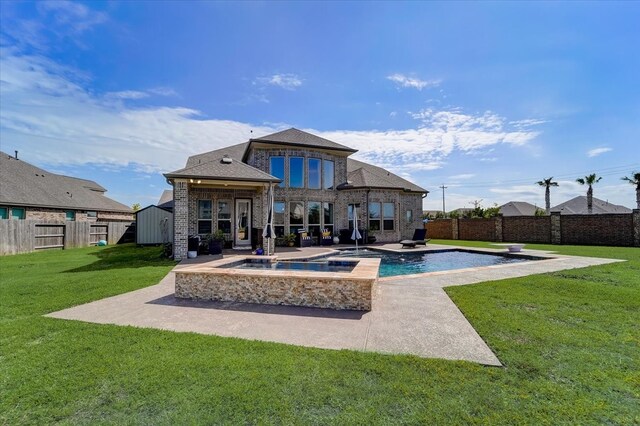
{"x": 570, "y": 343}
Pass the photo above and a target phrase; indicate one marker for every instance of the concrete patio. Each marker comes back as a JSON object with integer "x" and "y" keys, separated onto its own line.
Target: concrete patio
{"x": 410, "y": 314}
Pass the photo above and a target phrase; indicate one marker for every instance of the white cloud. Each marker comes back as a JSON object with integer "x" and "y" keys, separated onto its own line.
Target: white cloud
{"x": 49, "y": 116}
{"x": 127, "y": 94}
{"x": 284, "y": 81}
{"x": 163, "y": 91}
{"x": 405, "y": 81}
{"x": 463, "y": 176}
{"x": 597, "y": 151}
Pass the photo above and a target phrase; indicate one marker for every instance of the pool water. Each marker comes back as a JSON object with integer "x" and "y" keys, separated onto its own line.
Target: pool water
{"x": 393, "y": 264}
{"x": 325, "y": 266}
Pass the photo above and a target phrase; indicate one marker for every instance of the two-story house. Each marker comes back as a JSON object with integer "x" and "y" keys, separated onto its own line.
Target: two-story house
{"x": 316, "y": 186}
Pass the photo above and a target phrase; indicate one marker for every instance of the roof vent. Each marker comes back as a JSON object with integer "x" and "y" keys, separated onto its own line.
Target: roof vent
{"x": 227, "y": 160}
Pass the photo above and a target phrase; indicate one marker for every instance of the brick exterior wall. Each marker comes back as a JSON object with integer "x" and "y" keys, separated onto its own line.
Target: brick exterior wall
{"x": 58, "y": 215}
{"x": 600, "y": 229}
{"x": 477, "y": 229}
{"x": 526, "y": 229}
{"x": 186, "y": 208}
{"x": 440, "y": 228}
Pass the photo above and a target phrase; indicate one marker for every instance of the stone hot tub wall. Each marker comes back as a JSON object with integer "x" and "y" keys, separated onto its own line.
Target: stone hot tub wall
{"x": 299, "y": 288}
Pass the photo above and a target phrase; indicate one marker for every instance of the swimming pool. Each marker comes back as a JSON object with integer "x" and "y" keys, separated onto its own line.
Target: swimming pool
{"x": 393, "y": 264}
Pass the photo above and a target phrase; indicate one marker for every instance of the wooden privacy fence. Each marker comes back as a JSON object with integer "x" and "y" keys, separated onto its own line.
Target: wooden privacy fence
{"x": 23, "y": 236}
{"x": 595, "y": 229}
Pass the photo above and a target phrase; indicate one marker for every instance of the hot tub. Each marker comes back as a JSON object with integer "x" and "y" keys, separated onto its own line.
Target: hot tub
{"x": 333, "y": 283}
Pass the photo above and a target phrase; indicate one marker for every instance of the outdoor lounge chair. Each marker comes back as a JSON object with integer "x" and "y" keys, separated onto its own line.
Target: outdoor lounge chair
{"x": 418, "y": 238}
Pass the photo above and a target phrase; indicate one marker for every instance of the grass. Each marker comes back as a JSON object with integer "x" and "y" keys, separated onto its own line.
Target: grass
{"x": 569, "y": 342}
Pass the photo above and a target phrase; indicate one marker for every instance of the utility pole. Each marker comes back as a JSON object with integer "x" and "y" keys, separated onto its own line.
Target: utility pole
{"x": 444, "y": 212}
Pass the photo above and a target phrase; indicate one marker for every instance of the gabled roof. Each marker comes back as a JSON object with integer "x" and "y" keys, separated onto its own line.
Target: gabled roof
{"x": 297, "y": 137}
{"x": 578, "y": 205}
{"x": 518, "y": 208}
{"x": 166, "y": 200}
{"x": 210, "y": 165}
{"x": 363, "y": 175}
{"x": 23, "y": 184}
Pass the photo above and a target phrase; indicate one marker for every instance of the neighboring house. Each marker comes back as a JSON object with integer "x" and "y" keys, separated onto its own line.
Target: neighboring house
{"x": 578, "y": 205}
{"x": 29, "y": 192}
{"x": 166, "y": 200}
{"x": 316, "y": 187}
{"x": 431, "y": 214}
{"x": 518, "y": 208}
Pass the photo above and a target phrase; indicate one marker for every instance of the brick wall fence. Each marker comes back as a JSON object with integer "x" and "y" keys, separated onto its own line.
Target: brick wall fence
{"x": 598, "y": 229}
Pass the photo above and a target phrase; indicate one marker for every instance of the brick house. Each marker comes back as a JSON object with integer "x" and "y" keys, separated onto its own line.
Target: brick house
{"x": 29, "y": 192}
{"x": 316, "y": 186}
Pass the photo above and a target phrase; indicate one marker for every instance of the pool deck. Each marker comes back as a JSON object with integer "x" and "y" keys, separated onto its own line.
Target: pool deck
{"x": 411, "y": 314}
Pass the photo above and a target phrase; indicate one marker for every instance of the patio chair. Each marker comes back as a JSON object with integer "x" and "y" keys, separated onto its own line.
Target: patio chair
{"x": 418, "y": 238}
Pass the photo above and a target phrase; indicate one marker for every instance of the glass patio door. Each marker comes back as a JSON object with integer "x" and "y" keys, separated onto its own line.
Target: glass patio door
{"x": 243, "y": 223}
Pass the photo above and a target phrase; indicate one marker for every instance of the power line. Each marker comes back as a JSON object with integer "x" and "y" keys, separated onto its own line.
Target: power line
{"x": 608, "y": 171}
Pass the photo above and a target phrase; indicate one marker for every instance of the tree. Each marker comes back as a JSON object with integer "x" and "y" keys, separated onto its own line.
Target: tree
{"x": 590, "y": 180}
{"x": 135, "y": 207}
{"x": 547, "y": 183}
{"x": 635, "y": 180}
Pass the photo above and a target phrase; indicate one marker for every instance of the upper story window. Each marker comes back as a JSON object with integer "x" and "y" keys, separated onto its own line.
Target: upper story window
{"x": 314, "y": 173}
{"x": 91, "y": 214}
{"x": 70, "y": 215}
{"x": 276, "y": 168}
{"x": 4, "y": 213}
{"x": 328, "y": 172}
{"x": 296, "y": 172}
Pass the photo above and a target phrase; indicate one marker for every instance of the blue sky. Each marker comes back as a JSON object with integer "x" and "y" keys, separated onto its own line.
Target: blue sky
{"x": 486, "y": 98}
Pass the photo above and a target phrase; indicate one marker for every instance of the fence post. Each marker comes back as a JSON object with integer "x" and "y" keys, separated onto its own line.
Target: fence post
{"x": 636, "y": 227}
{"x": 497, "y": 221}
{"x": 556, "y": 228}
{"x": 454, "y": 229}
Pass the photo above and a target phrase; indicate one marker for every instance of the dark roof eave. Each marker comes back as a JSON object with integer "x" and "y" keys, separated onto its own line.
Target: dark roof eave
{"x": 226, "y": 178}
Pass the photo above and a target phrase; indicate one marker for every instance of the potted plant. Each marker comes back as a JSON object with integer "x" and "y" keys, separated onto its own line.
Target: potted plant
{"x": 215, "y": 242}
{"x": 290, "y": 239}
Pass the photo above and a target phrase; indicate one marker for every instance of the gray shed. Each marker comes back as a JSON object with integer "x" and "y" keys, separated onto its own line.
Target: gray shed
{"x": 154, "y": 225}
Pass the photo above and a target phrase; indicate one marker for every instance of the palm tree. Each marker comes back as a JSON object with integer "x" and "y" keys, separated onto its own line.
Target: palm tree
{"x": 547, "y": 183}
{"x": 590, "y": 180}
{"x": 635, "y": 180}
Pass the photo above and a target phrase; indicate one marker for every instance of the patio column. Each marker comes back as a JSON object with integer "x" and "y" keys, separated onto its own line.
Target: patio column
{"x": 180, "y": 219}
{"x": 556, "y": 230}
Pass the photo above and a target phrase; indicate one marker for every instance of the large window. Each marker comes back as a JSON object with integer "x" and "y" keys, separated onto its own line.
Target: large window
{"x": 296, "y": 216}
{"x": 70, "y": 215}
{"x": 350, "y": 210}
{"x": 327, "y": 220}
{"x": 276, "y": 168}
{"x": 17, "y": 213}
{"x": 314, "y": 173}
{"x": 313, "y": 217}
{"x": 296, "y": 172}
{"x": 4, "y": 213}
{"x": 388, "y": 216}
{"x": 224, "y": 218}
{"x": 374, "y": 216}
{"x": 205, "y": 215}
{"x": 327, "y": 174}
{"x": 278, "y": 218}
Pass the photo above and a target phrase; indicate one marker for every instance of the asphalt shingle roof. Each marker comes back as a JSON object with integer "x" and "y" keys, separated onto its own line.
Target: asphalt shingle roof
{"x": 23, "y": 184}
{"x": 166, "y": 200}
{"x": 297, "y": 137}
{"x": 210, "y": 165}
{"x": 578, "y": 205}
{"x": 363, "y": 175}
{"x": 518, "y": 208}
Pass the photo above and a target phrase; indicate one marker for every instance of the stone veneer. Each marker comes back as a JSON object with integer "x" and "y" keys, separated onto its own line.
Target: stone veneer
{"x": 340, "y": 290}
